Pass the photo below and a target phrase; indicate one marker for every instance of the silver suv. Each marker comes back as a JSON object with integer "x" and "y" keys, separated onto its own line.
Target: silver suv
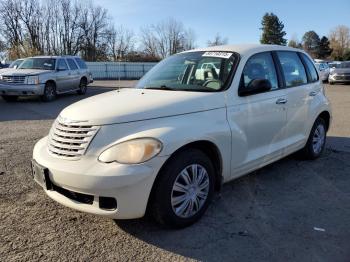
{"x": 45, "y": 76}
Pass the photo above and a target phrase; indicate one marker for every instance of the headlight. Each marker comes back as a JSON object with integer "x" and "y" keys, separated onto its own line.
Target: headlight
{"x": 32, "y": 80}
{"x": 134, "y": 151}
{"x": 0, "y": 77}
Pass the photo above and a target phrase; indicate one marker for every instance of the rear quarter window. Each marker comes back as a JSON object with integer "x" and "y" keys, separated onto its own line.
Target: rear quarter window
{"x": 311, "y": 68}
{"x": 72, "y": 64}
{"x": 81, "y": 63}
{"x": 292, "y": 68}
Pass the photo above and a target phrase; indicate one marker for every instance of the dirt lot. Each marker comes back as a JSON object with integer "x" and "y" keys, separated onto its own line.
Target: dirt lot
{"x": 268, "y": 215}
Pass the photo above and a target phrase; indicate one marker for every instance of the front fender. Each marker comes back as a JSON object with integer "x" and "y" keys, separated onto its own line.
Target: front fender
{"x": 174, "y": 132}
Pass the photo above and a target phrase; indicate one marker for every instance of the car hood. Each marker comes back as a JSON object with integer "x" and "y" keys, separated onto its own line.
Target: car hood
{"x": 341, "y": 71}
{"x": 129, "y": 105}
{"x": 21, "y": 72}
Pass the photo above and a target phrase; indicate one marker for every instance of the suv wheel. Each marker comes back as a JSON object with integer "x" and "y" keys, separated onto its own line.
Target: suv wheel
{"x": 9, "y": 98}
{"x": 49, "y": 92}
{"x": 82, "y": 87}
{"x": 184, "y": 189}
{"x": 316, "y": 141}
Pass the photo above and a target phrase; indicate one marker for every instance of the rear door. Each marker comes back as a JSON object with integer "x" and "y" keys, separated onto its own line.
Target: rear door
{"x": 260, "y": 118}
{"x": 62, "y": 76}
{"x": 299, "y": 91}
{"x": 74, "y": 74}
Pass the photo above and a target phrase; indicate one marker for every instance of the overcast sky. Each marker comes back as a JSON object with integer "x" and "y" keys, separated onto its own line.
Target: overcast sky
{"x": 239, "y": 21}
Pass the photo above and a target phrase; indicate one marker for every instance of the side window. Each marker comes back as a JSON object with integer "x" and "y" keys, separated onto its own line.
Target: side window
{"x": 259, "y": 66}
{"x": 62, "y": 65}
{"x": 81, "y": 63}
{"x": 311, "y": 68}
{"x": 293, "y": 69}
{"x": 72, "y": 64}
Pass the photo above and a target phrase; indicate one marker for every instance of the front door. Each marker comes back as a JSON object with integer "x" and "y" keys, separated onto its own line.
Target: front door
{"x": 259, "y": 119}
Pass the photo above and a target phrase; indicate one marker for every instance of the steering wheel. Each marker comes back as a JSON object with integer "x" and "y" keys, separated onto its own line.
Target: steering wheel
{"x": 212, "y": 81}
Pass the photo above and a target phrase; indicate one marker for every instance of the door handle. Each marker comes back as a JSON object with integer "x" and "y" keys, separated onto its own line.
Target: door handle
{"x": 281, "y": 101}
{"x": 313, "y": 93}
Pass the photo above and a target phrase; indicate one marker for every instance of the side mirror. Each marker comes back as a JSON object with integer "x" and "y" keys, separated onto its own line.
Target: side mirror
{"x": 256, "y": 86}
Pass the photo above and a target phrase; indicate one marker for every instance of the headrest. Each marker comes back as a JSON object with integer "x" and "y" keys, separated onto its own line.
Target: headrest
{"x": 255, "y": 71}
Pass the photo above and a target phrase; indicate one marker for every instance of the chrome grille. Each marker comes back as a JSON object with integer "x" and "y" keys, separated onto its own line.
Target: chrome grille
{"x": 70, "y": 141}
{"x": 13, "y": 79}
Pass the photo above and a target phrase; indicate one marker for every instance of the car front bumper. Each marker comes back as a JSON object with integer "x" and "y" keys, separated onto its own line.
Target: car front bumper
{"x": 21, "y": 89}
{"x": 339, "y": 78}
{"x": 129, "y": 185}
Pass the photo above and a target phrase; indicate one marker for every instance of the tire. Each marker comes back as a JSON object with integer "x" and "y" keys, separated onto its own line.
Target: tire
{"x": 330, "y": 82}
{"x": 49, "y": 92}
{"x": 166, "y": 207}
{"x": 9, "y": 98}
{"x": 82, "y": 87}
{"x": 312, "y": 150}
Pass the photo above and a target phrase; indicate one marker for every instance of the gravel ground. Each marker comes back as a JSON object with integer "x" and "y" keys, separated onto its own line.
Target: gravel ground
{"x": 269, "y": 215}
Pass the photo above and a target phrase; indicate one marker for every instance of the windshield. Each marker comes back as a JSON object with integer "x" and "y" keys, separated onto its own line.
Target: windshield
{"x": 16, "y": 63}
{"x": 38, "y": 63}
{"x": 193, "y": 71}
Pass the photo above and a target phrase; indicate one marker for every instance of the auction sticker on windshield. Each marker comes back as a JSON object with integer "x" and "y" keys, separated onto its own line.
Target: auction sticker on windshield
{"x": 218, "y": 54}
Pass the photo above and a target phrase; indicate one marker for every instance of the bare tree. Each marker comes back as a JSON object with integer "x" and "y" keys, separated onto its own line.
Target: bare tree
{"x": 94, "y": 24}
{"x": 339, "y": 39}
{"x": 189, "y": 39}
{"x": 149, "y": 42}
{"x": 294, "y": 42}
{"x": 166, "y": 38}
{"x": 120, "y": 42}
{"x": 218, "y": 40}
{"x": 66, "y": 27}
{"x": 11, "y": 28}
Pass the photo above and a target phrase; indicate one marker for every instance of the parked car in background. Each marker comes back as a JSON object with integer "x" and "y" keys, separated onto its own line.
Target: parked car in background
{"x": 45, "y": 76}
{"x": 3, "y": 65}
{"x": 168, "y": 144}
{"x": 333, "y": 65}
{"x": 16, "y": 63}
{"x": 340, "y": 73}
{"x": 323, "y": 70}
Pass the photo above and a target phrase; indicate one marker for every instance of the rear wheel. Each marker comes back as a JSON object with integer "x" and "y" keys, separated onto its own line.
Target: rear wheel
{"x": 9, "y": 98}
{"x": 82, "y": 87}
{"x": 184, "y": 189}
{"x": 316, "y": 141}
{"x": 49, "y": 92}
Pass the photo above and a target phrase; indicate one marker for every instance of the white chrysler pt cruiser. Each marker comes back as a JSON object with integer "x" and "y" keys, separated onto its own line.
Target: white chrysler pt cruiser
{"x": 196, "y": 120}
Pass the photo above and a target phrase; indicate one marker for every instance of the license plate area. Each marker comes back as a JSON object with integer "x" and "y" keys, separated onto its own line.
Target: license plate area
{"x": 41, "y": 175}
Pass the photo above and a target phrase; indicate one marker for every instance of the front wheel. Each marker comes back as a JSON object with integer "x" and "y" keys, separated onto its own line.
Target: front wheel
{"x": 49, "y": 92}
{"x": 316, "y": 141}
{"x": 184, "y": 189}
{"x": 82, "y": 87}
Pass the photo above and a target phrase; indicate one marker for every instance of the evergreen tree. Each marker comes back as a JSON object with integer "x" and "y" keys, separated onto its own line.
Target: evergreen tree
{"x": 324, "y": 50}
{"x": 272, "y": 29}
{"x": 311, "y": 43}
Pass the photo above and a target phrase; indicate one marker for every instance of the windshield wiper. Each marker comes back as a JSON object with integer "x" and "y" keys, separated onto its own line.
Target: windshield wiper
{"x": 162, "y": 87}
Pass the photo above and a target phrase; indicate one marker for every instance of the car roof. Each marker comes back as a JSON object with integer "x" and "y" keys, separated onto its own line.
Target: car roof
{"x": 54, "y": 56}
{"x": 246, "y": 49}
